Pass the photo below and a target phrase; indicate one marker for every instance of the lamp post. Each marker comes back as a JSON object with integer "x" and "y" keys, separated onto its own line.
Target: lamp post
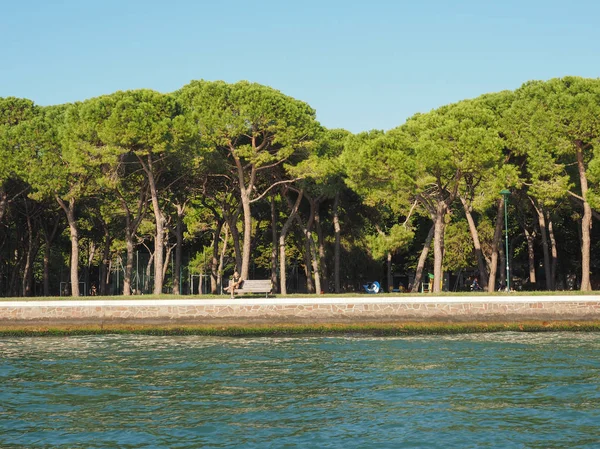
{"x": 505, "y": 194}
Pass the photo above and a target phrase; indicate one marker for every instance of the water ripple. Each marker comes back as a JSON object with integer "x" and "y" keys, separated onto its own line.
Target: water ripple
{"x": 490, "y": 390}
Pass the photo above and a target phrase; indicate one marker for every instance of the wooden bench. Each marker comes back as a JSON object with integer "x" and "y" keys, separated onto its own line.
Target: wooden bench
{"x": 252, "y": 286}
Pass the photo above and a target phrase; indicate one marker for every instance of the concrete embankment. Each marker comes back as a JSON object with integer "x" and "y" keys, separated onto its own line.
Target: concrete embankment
{"x": 300, "y": 311}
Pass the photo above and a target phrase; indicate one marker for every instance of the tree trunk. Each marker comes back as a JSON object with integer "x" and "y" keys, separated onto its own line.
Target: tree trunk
{"x": 74, "y": 232}
{"x": 3, "y": 203}
{"x": 554, "y": 253}
{"x": 502, "y": 267}
{"x": 178, "y": 249}
{"x": 48, "y": 239}
{"x": 148, "y": 271}
{"x": 14, "y": 278}
{"x": 47, "y": 268}
{"x": 273, "y": 244}
{"x": 3, "y": 206}
{"x": 245, "y": 188}
{"x": 310, "y": 286}
{"x": 159, "y": 221}
{"x": 282, "y": 264}
{"x": 422, "y": 260}
{"x": 200, "y": 282}
{"x": 131, "y": 225}
{"x": 159, "y": 243}
{"x": 246, "y": 184}
{"x": 108, "y": 275}
{"x": 390, "y": 278}
{"x": 88, "y": 267}
{"x": 543, "y": 232}
{"x": 28, "y": 269}
{"x": 246, "y": 249}
{"x": 235, "y": 235}
{"x": 337, "y": 247}
{"x": 127, "y": 278}
{"x": 282, "y": 235}
{"x": 312, "y": 259}
{"x": 214, "y": 263}
{"x": 311, "y": 248}
{"x": 586, "y": 223}
{"x": 166, "y": 264}
{"x": 438, "y": 245}
{"x": 388, "y": 259}
{"x": 322, "y": 256}
{"x": 496, "y": 244}
{"x": 222, "y": 260}
{"x": 476, "y": 243}
{"x": 529, "y": 236}
{"x": 315, "y": 267}
{"x": 104, "y": 264}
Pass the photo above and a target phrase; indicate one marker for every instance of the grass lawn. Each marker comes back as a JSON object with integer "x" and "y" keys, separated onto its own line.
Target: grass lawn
{"x": 307, "y": 295}
{"x": 279, "y": 330}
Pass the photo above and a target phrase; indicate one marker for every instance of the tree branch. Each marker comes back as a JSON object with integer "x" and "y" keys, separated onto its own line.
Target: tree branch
{"x": 410, "y": 213}
{"x": 574, "y": 195}
{"x": 264, "y": 167}
{"x": 287, "y": 181}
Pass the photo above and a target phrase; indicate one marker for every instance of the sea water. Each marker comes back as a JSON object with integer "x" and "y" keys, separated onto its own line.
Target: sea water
{"x": 490, "y": 390}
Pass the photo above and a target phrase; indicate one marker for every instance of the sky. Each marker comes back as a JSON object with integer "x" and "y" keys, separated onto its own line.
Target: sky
{"x": 361, "y": 65}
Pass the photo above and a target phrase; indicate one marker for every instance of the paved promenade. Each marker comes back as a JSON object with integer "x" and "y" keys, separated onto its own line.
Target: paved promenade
{"x": 340, "y": 309}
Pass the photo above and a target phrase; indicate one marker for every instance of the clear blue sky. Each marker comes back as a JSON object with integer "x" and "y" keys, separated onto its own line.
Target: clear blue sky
{"x": 361, "y": 65}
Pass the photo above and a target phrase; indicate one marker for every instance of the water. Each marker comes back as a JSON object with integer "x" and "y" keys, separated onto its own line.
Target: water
{"x": 495, "y": 390}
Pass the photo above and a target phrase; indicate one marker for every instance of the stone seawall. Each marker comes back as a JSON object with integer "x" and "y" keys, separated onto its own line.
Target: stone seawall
{"x": 301, "y": 310}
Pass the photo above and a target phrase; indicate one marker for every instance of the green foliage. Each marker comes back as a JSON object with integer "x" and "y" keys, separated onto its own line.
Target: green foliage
{"x": 398, "y": 238}
{"x": 51, "y": 170}
{"x": 13, "y": 111}
{"x": 547, "y": 123}
{"x": 258, "y": 124}
{"x": 323, "y": 167}
{"x": 140, "y": 120}
{"x": 200, "y": 263}
{"x": 485, "y": 192}
{"x": 485, "y": 230}
{"x": 381, "y": 168}
{"x": 458, "y": 247}
{"x": 211, "y": 143}
{"x": 453, "y": 143}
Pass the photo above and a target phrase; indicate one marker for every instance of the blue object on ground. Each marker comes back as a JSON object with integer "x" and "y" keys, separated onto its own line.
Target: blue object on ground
{"x": 372, "y": 287}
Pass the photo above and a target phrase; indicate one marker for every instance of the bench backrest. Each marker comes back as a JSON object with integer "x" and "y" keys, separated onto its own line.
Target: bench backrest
{"x": 255, "y": 285}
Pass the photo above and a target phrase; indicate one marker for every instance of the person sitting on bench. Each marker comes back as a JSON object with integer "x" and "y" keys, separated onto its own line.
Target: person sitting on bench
{"x": 234, "y": 283}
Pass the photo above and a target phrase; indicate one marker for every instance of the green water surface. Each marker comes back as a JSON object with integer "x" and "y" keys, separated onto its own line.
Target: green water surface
{"x": 492, "y": 390}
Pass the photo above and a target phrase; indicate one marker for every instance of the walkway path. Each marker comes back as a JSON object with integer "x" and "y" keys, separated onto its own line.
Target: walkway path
{"x": 303, "y": 309}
